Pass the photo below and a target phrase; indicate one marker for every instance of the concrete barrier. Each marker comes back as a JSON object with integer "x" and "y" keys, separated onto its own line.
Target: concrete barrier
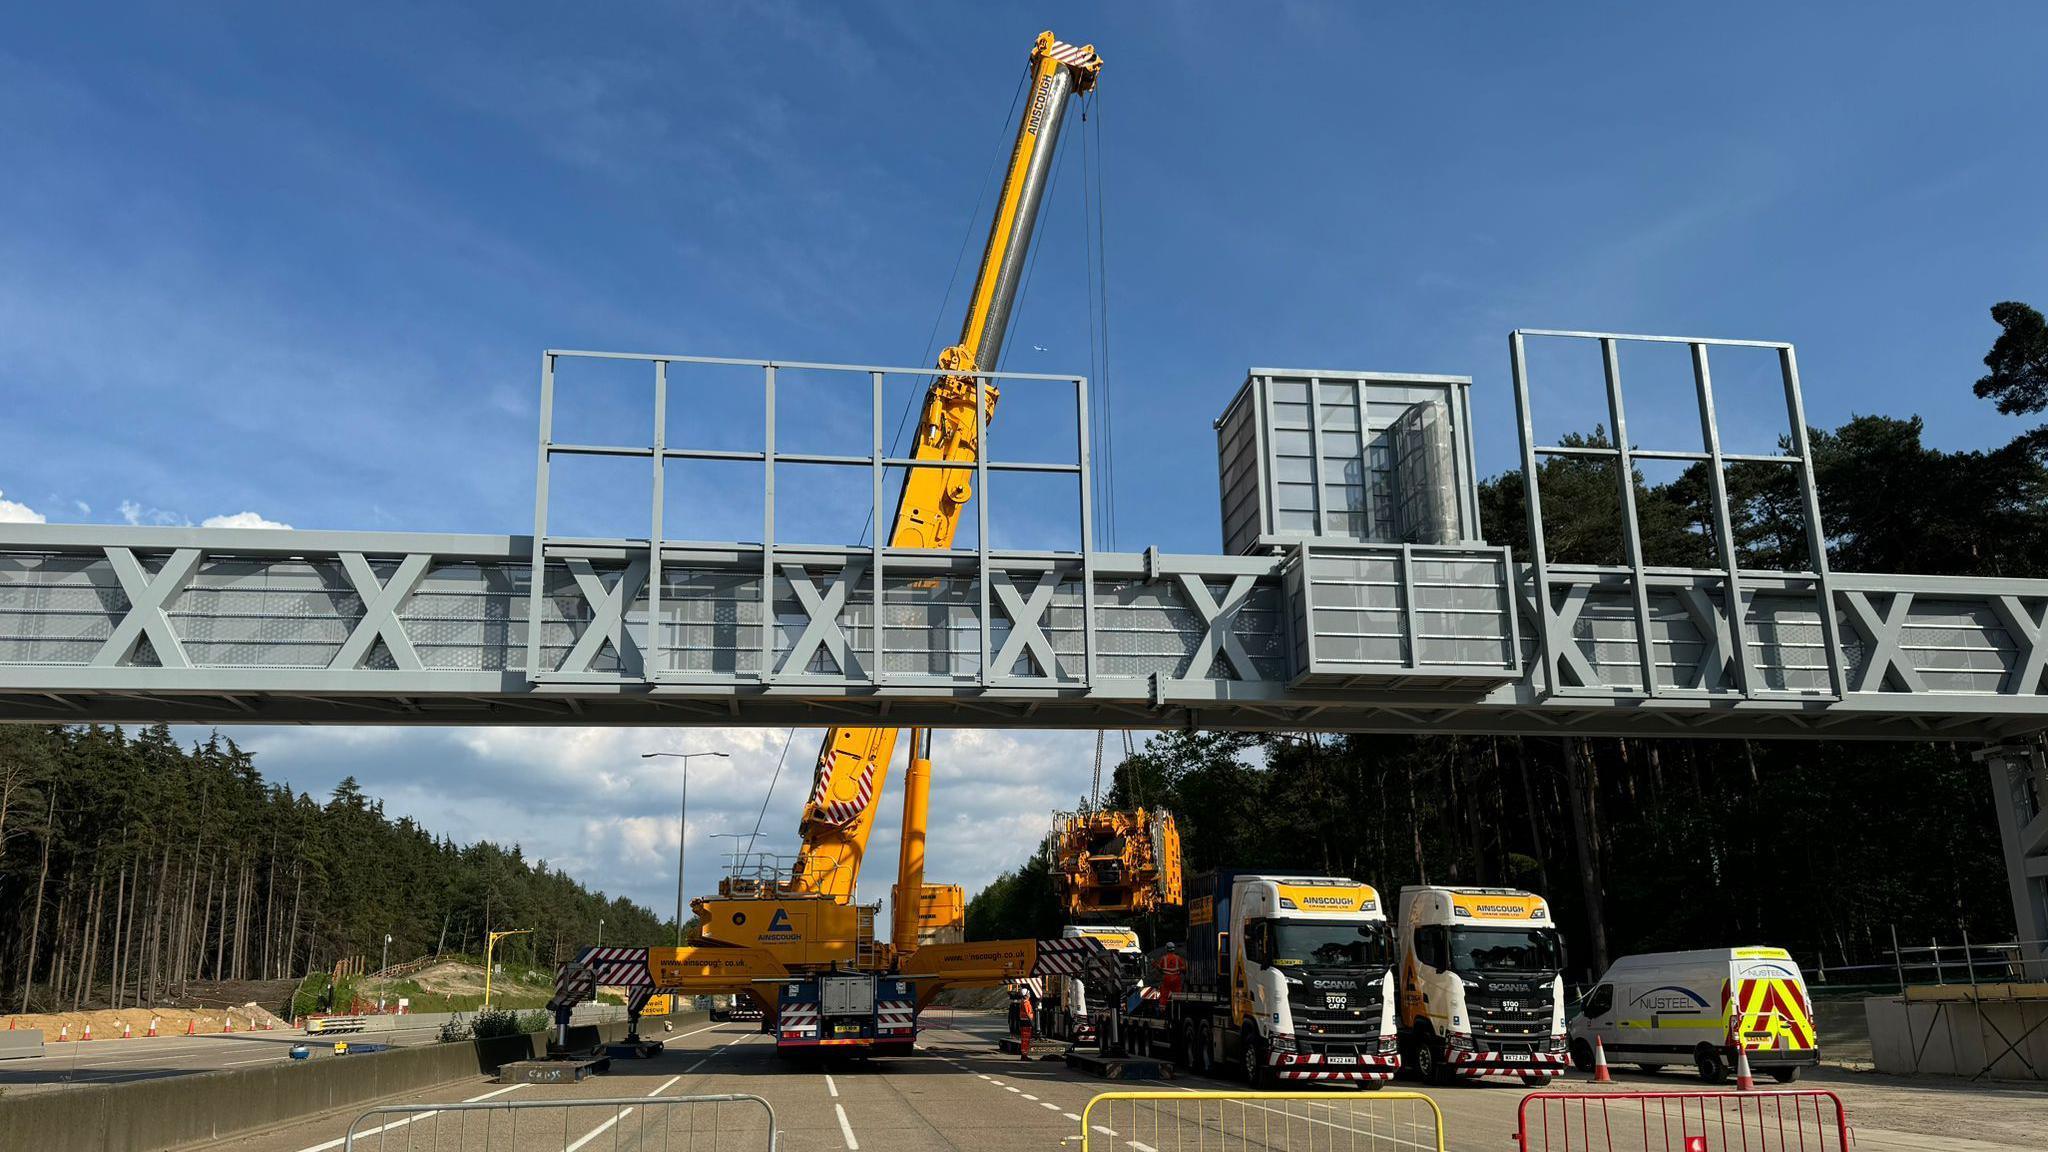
{"x": 21, "y": 1043}
{"x": 151, "y": 1115}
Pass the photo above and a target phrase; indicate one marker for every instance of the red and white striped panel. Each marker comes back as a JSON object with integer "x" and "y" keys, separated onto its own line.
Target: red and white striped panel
{"x": 1477, "y": 1064}
{"x": 797, "y": 1018}
{"x": 1315, "y": 1066}
{"x": 1075, "y": 55}
{"x": 574, "y": 984}
{"x": 895, "y": 1015}
{"x": 618, "y": 967}
{"x": 839, "y": 813}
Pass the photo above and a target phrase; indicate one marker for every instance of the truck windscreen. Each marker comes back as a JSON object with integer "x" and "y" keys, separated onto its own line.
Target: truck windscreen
{"x": 1367, "y": 945}
{"x": 1505, "y": 950}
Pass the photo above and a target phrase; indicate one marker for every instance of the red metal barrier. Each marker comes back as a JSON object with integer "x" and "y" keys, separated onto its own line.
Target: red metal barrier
{"x": 1803, "y": 1121}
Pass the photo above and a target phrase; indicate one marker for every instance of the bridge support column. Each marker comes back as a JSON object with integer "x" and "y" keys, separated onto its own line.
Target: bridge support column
{"x": 2019, "y": 788}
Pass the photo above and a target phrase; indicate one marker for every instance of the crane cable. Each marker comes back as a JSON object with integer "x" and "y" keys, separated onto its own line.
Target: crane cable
{"x": 1096, "y": 246}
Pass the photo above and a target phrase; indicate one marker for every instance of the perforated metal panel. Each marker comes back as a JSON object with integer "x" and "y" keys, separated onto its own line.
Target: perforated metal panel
{"x": 1357, "y": 456}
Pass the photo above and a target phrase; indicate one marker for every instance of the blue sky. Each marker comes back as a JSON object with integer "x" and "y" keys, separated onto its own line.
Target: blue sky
{"x": 254, "y": 264}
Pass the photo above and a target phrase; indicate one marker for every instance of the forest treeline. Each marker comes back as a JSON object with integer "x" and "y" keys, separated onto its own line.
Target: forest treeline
{"x": 1826, "y": 848}
{"x": 132, "y": 867}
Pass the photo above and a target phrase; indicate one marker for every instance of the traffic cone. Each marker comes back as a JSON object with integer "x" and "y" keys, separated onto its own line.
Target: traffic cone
{"x": 63, "y": 1033}
{"x": 88, "y": 1031}
{"x": 192, "y": 1026}
{"x": 229, "y": 1026}
{"x": 152, "y": 1025}
{"x": 1744, "y": 1082}
{"x": 1600, "y": 1073}
{"x": 127, "y": 1033}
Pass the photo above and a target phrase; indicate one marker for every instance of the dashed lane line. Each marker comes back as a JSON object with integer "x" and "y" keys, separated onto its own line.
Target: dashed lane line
{"x": 601, "y": 1129}
{"x": 845, "y": 1129}
{"x": 340, "y": 1140}
{"x": 831, "y": 1087}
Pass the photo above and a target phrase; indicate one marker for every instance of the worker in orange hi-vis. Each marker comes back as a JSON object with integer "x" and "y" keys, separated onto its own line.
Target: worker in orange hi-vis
{"x": 1026, "y": 1017}
{"x": 1171, "y": 966}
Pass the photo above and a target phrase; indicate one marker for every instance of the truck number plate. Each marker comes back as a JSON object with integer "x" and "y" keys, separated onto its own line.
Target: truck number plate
{"x": 1338, "y": 999}
{"x": 1515, "y": 1057}
{"x": 846, "y": 1029}
{"x": 1340, "y": 1059}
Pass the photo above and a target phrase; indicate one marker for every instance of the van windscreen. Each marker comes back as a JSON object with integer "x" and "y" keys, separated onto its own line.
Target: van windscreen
{"x": 1505, "y": 950}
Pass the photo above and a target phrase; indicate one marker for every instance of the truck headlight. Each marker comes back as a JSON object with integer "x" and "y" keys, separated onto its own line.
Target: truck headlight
{"x": 1458, "y": 1042}
{"x": 1282, "y": 1042}
{"x": 1389, "y": 1045}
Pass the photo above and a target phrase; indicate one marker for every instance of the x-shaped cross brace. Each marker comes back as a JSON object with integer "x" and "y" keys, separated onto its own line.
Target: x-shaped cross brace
{"x": 1717, "y": 635}
{"x": 381, "y": 603}
{"x": 821, "y": 628}
{"x": 607, "y": 617}
{"x": 1027, "y": 635}
{"x": 147, "y": 597}
{"x": 1883, "y": 632}
{"x": 1563, "y": 617}
{"x": 2030, "y": 654}
{"x": 1220, "y": 619}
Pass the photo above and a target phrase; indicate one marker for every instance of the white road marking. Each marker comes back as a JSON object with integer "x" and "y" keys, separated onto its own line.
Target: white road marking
{"x": 694, "y": 1067}
{"x": 1012, "y": 1088}
{"x": 600, "y": 1130}
{"x": 1071, "y": 1116}
{"x": 340, "y": 1140}
{"x": 846, "y": 1129}
{"x": 1104, "y": 1131}
{"x": 1048, "y": 1104}
{"x": 1026, "y": 1095}
{"x": 831, "y": 1087}
{"x": 1132, "y": 1143}
{"x": 664, "y": 1085}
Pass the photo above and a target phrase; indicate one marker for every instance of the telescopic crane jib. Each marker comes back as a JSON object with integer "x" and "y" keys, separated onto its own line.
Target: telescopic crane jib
{"x": 794, "y": 939}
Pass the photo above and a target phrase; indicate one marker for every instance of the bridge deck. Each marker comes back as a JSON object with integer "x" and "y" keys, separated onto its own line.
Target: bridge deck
{"x": 249, "y": 626}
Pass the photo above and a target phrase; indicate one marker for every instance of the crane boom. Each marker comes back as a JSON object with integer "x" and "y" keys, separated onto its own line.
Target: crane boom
{"x": 854, "y": 762}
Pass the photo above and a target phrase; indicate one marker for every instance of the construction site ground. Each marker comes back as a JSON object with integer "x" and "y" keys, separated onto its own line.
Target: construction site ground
{"x": 457, "y": 986}
{"x": 958, "y": 1092}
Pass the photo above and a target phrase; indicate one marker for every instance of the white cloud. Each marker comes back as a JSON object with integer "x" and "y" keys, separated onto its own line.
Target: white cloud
{"x": 586, "y": 801}
{"x": 241, "y": 520}
{"x": 135, "y": 513}
{"x": 15, "y": 512}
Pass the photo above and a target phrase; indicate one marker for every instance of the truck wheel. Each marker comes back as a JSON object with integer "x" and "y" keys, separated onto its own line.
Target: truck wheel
{"x": 1195, "y": 1051}
{"x": 1785, "y": 1075}
{"x": 1713, "y": 1069}
{"x": 1252, "y": 1061}
{"x": 1536, "y": 1081}
{"x": 1582, "y": 1056}
{"x": 1429, "y": 1061}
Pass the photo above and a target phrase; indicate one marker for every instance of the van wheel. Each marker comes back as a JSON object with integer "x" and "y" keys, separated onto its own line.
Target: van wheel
{"x": 1785, "y": 1075}
{"x": 1713, "y": 1069}
{"x": 1582, "y": 1056}
{"x": 1651, "y": 1069}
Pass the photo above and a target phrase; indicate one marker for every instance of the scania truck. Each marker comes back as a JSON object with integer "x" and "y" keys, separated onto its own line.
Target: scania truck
{"x": 1482, "y": 985}
{"x": 1287, "y": 978}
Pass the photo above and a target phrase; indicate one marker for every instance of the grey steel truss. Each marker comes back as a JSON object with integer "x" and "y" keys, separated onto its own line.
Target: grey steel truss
{"x": 238, "y": 625}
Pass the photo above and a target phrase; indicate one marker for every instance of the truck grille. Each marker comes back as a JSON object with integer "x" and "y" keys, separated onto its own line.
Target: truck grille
{"x": 1318, "y": 1027}
{"x": 1513, "y": 1023}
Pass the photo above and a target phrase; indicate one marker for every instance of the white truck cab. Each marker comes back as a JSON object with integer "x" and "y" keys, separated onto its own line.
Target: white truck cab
{"x": 1482, "y": 987}
{"x": 1311, "y": 983}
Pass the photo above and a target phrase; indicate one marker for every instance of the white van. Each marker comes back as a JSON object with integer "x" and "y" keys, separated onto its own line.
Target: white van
{"x": 1673, "y": 1007}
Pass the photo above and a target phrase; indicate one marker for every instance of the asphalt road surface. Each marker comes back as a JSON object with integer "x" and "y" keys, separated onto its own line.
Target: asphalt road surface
{"x": 81, "y": 1062}
{"x": 958, "y": 1092}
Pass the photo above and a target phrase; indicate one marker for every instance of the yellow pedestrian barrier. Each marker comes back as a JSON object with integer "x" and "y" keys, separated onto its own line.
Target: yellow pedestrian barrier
{"x": 1262, "y": 1122}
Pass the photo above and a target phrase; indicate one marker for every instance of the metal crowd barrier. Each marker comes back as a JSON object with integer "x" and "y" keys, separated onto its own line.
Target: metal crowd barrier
{"x": 1267, "y": 1121}
{"x": 611, "y": 1124}
{"x": 1799, "y": 1121}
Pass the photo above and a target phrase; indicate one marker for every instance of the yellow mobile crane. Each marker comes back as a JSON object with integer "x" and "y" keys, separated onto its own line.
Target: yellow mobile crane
{"x": 795, "y": 940}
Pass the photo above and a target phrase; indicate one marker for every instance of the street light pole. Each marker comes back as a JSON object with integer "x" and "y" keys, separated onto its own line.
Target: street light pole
{"x": 386, "y": 962}
{"x": 682, "y": 825}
